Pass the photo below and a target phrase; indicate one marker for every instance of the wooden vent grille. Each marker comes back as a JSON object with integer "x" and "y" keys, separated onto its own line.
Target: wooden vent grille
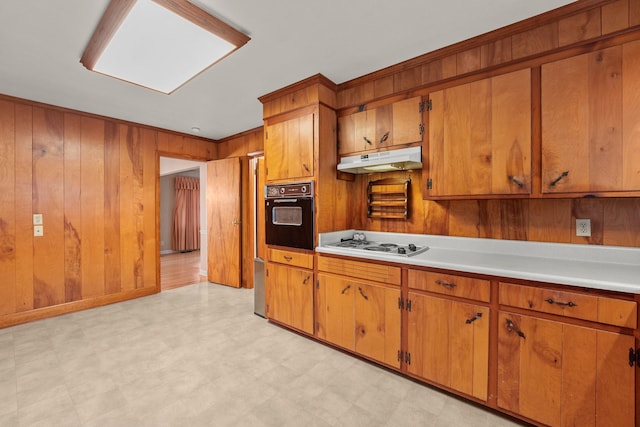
{"x": 388, "y": 198}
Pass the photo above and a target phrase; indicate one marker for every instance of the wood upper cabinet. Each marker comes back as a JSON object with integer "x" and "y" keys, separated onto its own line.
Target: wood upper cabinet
{"x": 564, "y": 375}
{"x": 393, "y": 124}
{"x": 359, "y": 316}
{"x": 590, "y": 127}
{"x": 289, "y": 148}
{"x": 289, "y": 296}
{"x": 448, "y": 343}
{"x": 480, "y": 138}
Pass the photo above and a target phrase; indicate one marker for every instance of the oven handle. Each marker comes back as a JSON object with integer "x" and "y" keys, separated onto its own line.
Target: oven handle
{"x": 285, "y": 200}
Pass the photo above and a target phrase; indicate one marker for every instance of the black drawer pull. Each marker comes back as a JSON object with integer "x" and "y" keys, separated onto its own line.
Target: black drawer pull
{"x": 512, "y": 327}
{"x": 515, "y": 181}
{"x": 558, "y": 179}
{"x": 306, "y": 280}
{"x": 565, "y": 304}
{"x": 446, "y": 284}
{"x": 345, "y": 289}
{"x": 474, "y": 318}
{"x": 362, "y": 293}
{"x": 287, "y": 258}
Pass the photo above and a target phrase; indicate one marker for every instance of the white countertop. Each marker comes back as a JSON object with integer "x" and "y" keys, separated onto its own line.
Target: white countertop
{"x": 612, "y": 268}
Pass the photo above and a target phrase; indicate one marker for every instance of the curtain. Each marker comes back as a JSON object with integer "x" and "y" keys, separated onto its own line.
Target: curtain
{"x": 186, "y": 215}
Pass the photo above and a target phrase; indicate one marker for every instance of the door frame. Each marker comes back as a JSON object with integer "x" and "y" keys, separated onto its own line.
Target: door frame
{"x": 203, "y": 253}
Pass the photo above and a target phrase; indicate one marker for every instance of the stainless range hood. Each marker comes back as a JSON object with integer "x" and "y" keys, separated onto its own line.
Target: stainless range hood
{"x": 383, "y": 161}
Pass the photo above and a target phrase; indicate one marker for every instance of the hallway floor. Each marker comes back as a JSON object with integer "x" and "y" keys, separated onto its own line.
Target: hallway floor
{"x": 198, "y": 356}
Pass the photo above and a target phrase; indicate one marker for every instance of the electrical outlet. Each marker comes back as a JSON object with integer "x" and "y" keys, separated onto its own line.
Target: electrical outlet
{"x": 38, "y": 230}
{"x": 37, "y": 219}
{"x": 583, "y": 227}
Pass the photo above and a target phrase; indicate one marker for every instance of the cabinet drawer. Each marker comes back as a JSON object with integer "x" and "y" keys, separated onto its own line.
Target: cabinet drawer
{"x": 447, "y": 284}
{"x": 362, "y": 270}
{"x": 595, "y": 308}
{"x": 298, "y": 259}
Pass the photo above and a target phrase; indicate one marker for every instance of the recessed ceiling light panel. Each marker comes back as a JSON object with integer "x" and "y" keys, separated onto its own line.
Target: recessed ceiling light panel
{"x": 159, "y": 44}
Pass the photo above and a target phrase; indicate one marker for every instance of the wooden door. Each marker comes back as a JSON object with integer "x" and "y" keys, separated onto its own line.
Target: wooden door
{"x": 377, "y": 322}
{"x": 565, "y": 375}
{"x": 223, "y": 222}
{"x": 480, "y": 137}
{"x": 406, "y": 121}
{"x": 448, "y": 343}
{"x": 335, "y": 315}
{"x": 589, "y": 122}
{"x": 289, "y": 148}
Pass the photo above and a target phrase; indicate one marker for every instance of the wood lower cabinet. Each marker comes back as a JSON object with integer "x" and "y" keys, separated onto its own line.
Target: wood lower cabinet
{"x": 289, "y": 294}
{"x": 480, "y": 138}
{"x": 564, "y": 375}
{"x": 448, "y": 343}
{"x": 359, "y": 315}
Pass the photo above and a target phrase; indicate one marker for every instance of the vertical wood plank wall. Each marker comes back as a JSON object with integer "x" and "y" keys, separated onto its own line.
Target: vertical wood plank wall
{"x": 94, "y": 180}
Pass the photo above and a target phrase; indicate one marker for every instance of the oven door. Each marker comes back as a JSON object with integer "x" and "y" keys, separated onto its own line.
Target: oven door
{"x": 289, "y": 222}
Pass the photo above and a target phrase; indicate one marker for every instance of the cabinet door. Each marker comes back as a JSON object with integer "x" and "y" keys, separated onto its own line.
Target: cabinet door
{"x": 448, "y": 343}
{"x": 407, "y": 121}
{"x": 351, "y": 130}
{"x": 289, "y": 294}
{"x": 590, "y": 106}
{"x": 377, "y": 322}
{"x": 289, "y": 148}
{"x": 480, "y": 138}
{"x": 335, "y": 315}
{"x": 564, "y": 375}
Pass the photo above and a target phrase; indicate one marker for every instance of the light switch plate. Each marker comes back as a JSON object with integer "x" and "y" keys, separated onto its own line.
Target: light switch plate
{"x": 38, "y": 230}
{"x": 37, "y": 219}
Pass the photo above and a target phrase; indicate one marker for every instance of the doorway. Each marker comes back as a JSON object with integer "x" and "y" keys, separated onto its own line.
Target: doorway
{"x": 180, "y": 268}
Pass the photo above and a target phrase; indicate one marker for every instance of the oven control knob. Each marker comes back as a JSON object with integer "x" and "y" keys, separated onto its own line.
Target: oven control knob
{"x": 412, "y": 247}
{"x": 303, "y": 189}
{"x": 281, "y": 190}
{"x": 402, "y": 251}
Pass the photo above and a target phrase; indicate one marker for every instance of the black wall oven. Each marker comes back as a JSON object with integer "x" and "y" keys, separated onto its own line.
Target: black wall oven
{"x": 289, "y": 213}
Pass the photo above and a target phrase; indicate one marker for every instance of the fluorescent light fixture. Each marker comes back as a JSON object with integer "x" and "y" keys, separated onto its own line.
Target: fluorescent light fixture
{"x": 158, "y": 44}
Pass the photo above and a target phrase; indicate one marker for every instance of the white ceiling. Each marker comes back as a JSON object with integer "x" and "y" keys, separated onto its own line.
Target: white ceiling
{"x": 41, "y": 43}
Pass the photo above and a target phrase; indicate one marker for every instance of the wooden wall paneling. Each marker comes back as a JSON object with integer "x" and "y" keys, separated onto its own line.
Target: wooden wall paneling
{"x": 383, "y": 86}
{"x": 580, "y": 27}
{"x": 128, "y": 234}
{"x": 431, "y": 71}
{"x": 534, "y": 41}
{"x": 435, "y": 217}
{"x": 469, "y": 60}
{"x": 150, "y": 229}
{"x": 24, "y": 206}
{"x": 495, "y": 53}
{"x": 246, "y": 239}
{"x": 621, "y": 222}
{"x": 7, "y": 208}
{"x": 48, "y": 199}
{"x": 631, "y": 113}
{"x": 475, "y": 218}
{"x": 592, "y": 209}
{"x": 615, "y": 16}
{"x": 407, "y": 79}
{"x": 514, "y": 215}
{"x": 550, "y": 220}
{"x": 72, "y": 208}
{"x": 449, "y": 66}
{"x": 163, "y": 142}
{"x": 112, "y": 258}
{"x": 92, "y": 206}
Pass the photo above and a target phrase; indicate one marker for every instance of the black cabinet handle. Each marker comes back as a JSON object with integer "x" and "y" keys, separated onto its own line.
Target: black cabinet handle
{"x": 446, "y": 284}
{"x": 474, "y": 318}
{"x": 345, "y": 289}
{"x": 565, "y": 304}
{"x": 362, "y": 293}
{"x": 512, "y": 327}
{"x": 304, "y": 165}
{"x": 306, "y": 280}
{"x": 287, "y": 258}
{"x": 557, "y": 180}
{"x": 367, "y": 140}
{"x": 384, "y": 138}
{"x": 515, "y": 181}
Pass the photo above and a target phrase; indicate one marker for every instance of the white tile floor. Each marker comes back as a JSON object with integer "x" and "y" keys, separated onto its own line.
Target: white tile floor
{"x": 198, "y": 356}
